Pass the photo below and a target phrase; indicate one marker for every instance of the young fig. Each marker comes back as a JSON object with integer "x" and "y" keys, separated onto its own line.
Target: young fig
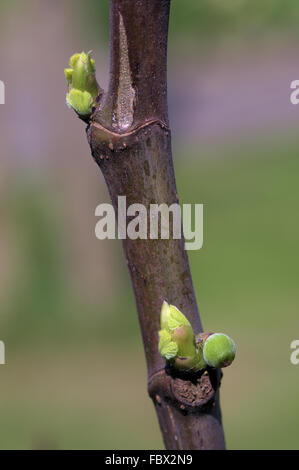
{"x": 219, "y": 350}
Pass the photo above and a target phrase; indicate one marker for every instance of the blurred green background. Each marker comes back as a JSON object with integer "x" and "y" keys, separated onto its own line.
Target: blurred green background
{"x": 75, "y": 376}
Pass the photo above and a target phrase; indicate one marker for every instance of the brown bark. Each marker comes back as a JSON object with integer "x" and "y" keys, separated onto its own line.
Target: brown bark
{"x": 130, "y": 140}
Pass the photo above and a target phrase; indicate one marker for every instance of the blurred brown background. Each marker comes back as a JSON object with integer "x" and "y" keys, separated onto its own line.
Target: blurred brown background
{"x": 75, "y": 374}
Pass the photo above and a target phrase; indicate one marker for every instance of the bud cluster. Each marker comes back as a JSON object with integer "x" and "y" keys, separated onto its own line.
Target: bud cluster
{"x": 179, "y": 346}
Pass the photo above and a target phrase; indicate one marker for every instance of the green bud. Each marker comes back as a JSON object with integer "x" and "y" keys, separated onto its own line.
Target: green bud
{"x": 68, "y": 73}
{"x": 172, "y": 318}
{"x": 167, "y": 348}
{"x": 74, "y": 59}
{"x": 219, "y": 350}
{"x": 183, "y": 336}
{"x": 81, "y": 101}
{"x": 190, "y": 363}
{"x": 177, "y": 340}
{"x": 82, "y": 83}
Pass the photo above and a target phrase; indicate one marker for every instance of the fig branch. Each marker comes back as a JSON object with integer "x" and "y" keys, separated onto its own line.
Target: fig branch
{"x": 129, "y": 136}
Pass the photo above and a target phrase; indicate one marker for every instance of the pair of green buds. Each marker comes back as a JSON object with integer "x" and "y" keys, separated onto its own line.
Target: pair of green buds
{"x": 83, "y": 88}
{"x": 179, "y": 346}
